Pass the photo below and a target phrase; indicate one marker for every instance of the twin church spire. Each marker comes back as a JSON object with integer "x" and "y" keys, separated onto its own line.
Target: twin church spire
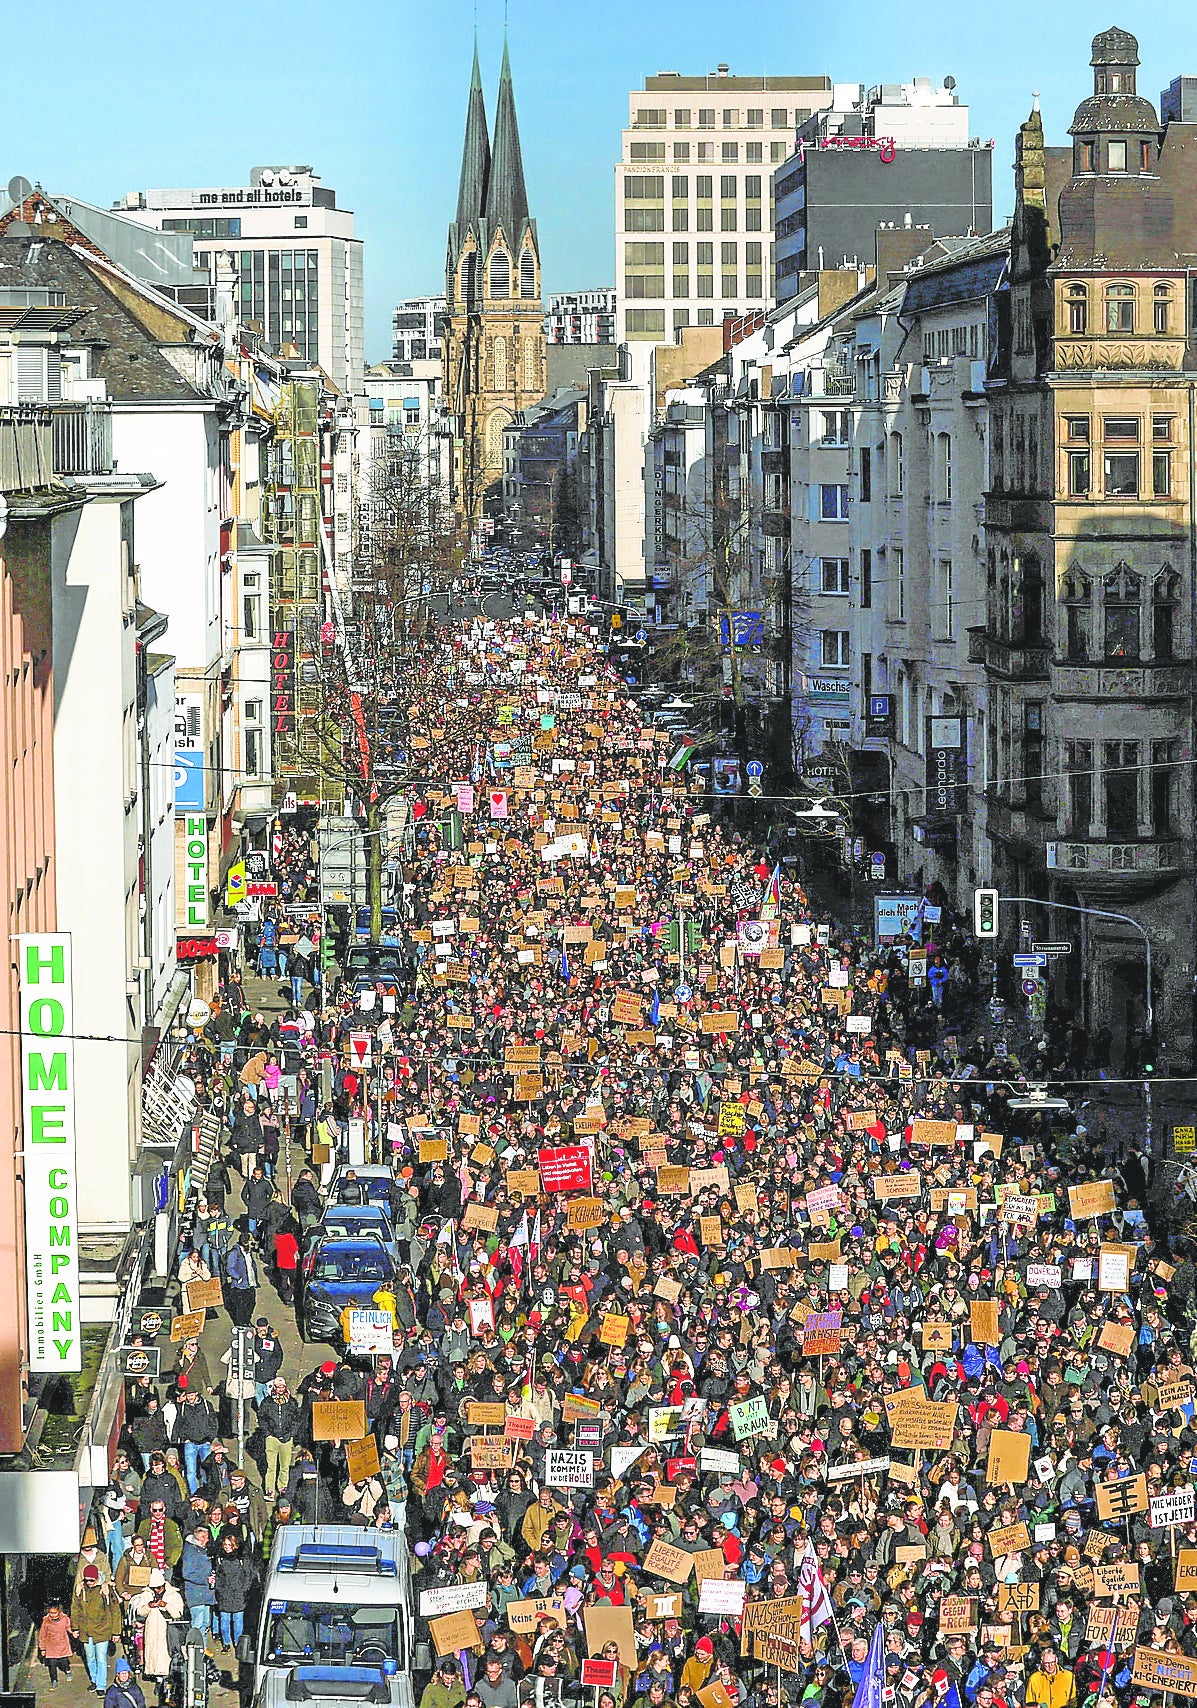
{"x": 492, "y": 198}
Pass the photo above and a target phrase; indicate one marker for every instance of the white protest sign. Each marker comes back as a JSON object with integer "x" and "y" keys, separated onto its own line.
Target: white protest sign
{"x": 718, "y": 1459}
{"x": 722, "y": 1595}
{"x": 1176, "y": 1507}
{"x": 569, "y": 1468}
{"x": 454, "y": 1598}
{"x": 1044, "y": 1275}
{"x": 371, "y": 1332}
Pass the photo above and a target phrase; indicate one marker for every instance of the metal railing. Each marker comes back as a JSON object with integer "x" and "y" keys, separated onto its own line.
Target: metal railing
{"x": 82, "y": 438}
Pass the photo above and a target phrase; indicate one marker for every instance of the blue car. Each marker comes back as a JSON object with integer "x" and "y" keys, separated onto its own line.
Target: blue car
{"x": 339, "y": 1272}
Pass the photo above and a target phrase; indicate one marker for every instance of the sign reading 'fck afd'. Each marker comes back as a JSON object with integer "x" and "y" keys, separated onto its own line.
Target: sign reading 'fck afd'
{"x": 48, "y": 1129}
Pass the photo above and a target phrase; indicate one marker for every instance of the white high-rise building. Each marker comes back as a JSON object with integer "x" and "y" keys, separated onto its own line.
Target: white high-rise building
{"x": 298, "y": 264}
{"x": 418, "y": 324}
{"x": 693, "y": 208}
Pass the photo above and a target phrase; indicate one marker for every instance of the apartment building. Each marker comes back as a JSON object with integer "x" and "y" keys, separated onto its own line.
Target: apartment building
{"x": 693, "y": 198}
{"x": 581, "y": 317}
{"x": 418, "y": 326}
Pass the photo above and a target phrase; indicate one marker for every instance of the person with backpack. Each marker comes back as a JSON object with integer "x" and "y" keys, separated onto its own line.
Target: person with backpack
{"x": 241, "y": 1282}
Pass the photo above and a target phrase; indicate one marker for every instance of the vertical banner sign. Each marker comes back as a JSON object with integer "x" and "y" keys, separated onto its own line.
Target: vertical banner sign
{"x": 48, "y": 1131}
{"x": 947, "y": 767}
{"x": 282, "y": 680}
{"x": 195, "y": 867}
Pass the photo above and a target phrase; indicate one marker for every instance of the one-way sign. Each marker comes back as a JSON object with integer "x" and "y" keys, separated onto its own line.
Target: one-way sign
{"x": 1052, "y": 948}
{"x": 1030, "y": 960}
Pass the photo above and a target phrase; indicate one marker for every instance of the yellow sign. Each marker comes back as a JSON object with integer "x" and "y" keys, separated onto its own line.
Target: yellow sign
{"x": 1184, "y": 1140}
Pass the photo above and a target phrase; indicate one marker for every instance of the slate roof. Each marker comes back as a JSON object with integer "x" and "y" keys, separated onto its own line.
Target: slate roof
{"x": 123, "y": 352}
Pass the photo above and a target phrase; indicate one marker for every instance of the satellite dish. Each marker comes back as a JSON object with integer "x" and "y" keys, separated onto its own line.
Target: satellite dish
{"x": 949, "y": 82}
{"x": 19, "y": 189}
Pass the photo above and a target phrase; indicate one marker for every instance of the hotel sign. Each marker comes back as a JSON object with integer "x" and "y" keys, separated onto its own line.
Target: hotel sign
{"x": 48, "y": 1132}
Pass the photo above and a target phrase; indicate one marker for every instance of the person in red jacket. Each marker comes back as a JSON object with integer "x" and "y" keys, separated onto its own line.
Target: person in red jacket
{"x": 286, "y": 1260}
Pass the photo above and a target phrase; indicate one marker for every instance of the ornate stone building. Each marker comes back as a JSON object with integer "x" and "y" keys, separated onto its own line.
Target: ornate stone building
{"x": 1091, "y": 554}
{"x": 494, "y": 347}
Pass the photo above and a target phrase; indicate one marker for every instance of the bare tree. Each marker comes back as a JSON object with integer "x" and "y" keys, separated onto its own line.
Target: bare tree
{"x": 413, "y": 544}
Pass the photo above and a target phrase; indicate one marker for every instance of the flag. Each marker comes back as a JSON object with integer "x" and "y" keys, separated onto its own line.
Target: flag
{"x": 654, "y": 1013}
{"x": 234, "y": 884}
{"x": 565, "y": 972}
{"x": 816, "y": 1603}
{"x": 679, "y": 758}
{"x": 872, "y": 1679}
{"x": 534, "y": 1240}
{"x": 771, "y": 905}
{"x": 498, "y": 803}
{"x": 520, "y": 1236}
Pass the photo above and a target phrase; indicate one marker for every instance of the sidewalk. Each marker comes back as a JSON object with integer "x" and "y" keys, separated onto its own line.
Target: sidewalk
{"x": 76, "y": 1690}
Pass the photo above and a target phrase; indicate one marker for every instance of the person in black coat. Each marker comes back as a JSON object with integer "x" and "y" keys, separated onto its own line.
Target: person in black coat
{"x": 234, "y": 1574}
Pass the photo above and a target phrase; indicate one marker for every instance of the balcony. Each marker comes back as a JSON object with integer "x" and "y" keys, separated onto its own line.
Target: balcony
{"x": 838, "y": 382}
{"x": 1109, "y": 867}
{"x": 26, "y": 448}
{"x": 1098, "y": 681}
{"x": 1012, "y": 660}
{"x": 82, "y": 434}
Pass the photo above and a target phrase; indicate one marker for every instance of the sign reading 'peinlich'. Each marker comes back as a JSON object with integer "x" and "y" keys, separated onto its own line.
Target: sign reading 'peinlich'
{"x": 48, "y": 1130}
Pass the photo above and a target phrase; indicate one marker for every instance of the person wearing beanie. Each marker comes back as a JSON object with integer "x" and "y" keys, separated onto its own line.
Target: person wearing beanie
{"x": 96, "y": 1621}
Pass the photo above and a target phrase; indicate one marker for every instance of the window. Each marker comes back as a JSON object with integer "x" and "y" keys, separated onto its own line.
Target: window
{"x": 500, "y": 274}
{"x": 944, "y": 466}
{"x": 681, "y": 254}
{"x": 681, "y": 187}
{"x": 731, "y": 118}
{"x": 897, "y": 465}
{"x": 1161, "y": 474}
{"x": 705, "y": 253}
{"x": 1078, "y": 310}
{"x": 253, "y": 752}
{"x": 833, "y": 575}
{"x": 1121, "y": 592}
{"x": 644, "y": 219}
{"x": 251, "y": 616}
{"x": 1164, "y": 779}
{"x": 1078, "y": 768}
{"x": 1088, "y": 155}
{"x": 727, "y": 187}
{"x": 731, "y": 151}
{"x": 644, "y": 254}
{"x": 752, "y": 187}
{"x": 1165, "y": 602}
{"x": 681, "y": 218}
{"x": 642, "y": 151}
{"x": 835, "y": 426}
{"x": 728, "y": 219}
{"x": 866, "y": 579}
{"x": 650, "y": 118}
{"x": 897, "y": 563}
{"x": 640, "y": 188}
{"x": 1121, "y": 466}
{"x": 1120, "y": 308}
{"x": 756, "y": 118}
{"x": 833, "y": 503}
{"x": 706, "y": 118}
{"x": 645, "y": 322}
{"x": 642, "y": 285}
{"x": 1116, "y": 156}
{"x": 1121, "y": 429}
{"x": 1076, "y": 429}
{"x": 777, "y": 151}
{"x": 301, "y": 222}
{"x": 779, "y": 118}
{"x": 1027, "y": 625}
{"x": 833, "y": 649}
{"x": 943, "y": 610}
{"x": 1120, "y": 760}
{"x": 1078, "y": 616}
{"x": 1163, "y": 308}
{"x": 681, "y": 151}
{"x": 704, "y": 187}
{"x": 754, "y": 153}
{"x": 865, "y": 466}
{"x": 681, "y": 118}
{"x": 527, "y": 274}
{"x": 1032, "y": 753}
{"x": 1079, "y": 474}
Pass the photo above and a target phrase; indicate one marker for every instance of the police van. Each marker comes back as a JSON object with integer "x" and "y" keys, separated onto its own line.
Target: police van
{"x": 336, "y": 1625}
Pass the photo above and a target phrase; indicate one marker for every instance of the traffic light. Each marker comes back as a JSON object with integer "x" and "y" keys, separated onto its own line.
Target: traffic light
{"x": 673, "y": 937}
{"x": 328, "y": 954}
{"x": 985, "y": 914}
{"x": 1148, "y": 1056}
{"x": 693, "y": 936}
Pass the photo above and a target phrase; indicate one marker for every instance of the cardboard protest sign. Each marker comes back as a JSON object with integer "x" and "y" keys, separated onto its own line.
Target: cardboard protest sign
{"x": 361, "y": 1459}
{"x": 923, "y": 1132}
{"x": 1122, "y": 1498}
{"x": 905, "y": 1185}
{"x": 585, "y": 1213}
{"x": 1094, "y": 1199}
{"x": 1009, "y": 1458}
{"x": 1118, "y": 1338}
{"x": 1018, "y": 1598}
{"x": 665, "y": 1561}
{"x": 983, "y": 1322}
{"x": 606, "y": 1624}
{"x": 1186, "y": 1571}
{"x": 523, "y": 1617}
{"x": 821, "y": 1333}
{"x": 708, "y": 1563}
{"x": 1009, "y": 1539}
{"x": 484, "y": 1217}
{"x": 338, "y": 1420}
{"x": 927, "y": 1425}
{"x": 203, "y": 1295}
{"x": 185, "y": 1326}
{"x": 957, "y": 1616}
{"x": 613, "y": 1329}
{"x": 1160, "y": 1670}
{"x": 1119, "y": 1578}
{"x": 433, "y": 1149}
{"x": 937, "y": 1337}
{"x": 491, "y": 1453}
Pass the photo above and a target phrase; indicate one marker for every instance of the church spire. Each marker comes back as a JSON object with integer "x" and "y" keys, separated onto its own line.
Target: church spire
{"x": 475, "y": 154}
{"x": 506, "y": 196}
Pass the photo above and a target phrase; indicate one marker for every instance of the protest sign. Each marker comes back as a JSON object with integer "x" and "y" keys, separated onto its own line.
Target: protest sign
{"x": 665, "y": 1561}
{"x": 338, "y": 1420}
{"x": 453, "y": 1631}
{"x": 1009, "y": 1458}
{"x": 568, "y": 1468}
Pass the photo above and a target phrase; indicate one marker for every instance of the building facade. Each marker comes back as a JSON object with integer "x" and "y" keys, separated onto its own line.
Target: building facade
{"x": 581, "y": 317}
{"x": 693, "y": 197}
{"x": 494, "y": 333}
{"x": 1089, "y": 638}
{"x": 418, "y": 325}
{"x": 298, "y": 264}
{"x": 900, "y": 152}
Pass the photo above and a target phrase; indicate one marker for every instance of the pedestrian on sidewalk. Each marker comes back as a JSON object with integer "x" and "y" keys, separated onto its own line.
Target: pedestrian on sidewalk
{"x": 125, "y": 1692}
{"x": 96, "y": 1621}
{"x": 241, "y": 1282}
{"x": 280, "y": 1420}
{"x": 54, "y": 1642}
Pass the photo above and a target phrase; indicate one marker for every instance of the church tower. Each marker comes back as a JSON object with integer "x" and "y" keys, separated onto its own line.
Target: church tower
{"x": 494, "y": 337}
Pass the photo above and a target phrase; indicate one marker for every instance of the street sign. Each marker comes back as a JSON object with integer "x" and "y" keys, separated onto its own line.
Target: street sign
{"x": 877, "y": 859}
{"x": 359, "y": 1046}
{"x": 682, "y": 993}
{"x": 1052, "y": 949}
{"x": 1032, "y": 960}
{"x": 754, "y": 789}
{"x": 641, "y": 634}
{"x": 1030, "y": 986}
{"x": 754, "y": 768}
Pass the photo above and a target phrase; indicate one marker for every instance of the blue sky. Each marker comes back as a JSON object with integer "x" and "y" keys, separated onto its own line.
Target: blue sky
{"x": 135, "y": 95}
